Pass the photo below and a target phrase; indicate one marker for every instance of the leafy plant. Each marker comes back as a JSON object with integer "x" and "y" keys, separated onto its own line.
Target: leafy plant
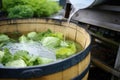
{"x": 67, "y": 49}
{"x": 3, "y": 38}
{"x": 50, "y": 42}
{"x": 16, "y": 63}
{"x": 7, "y": 57}
{"x": 37, "y": 8}
{"x": 45, "y": 8}
{"x": 7, "y": 4}
{"x": 20, "y": 11}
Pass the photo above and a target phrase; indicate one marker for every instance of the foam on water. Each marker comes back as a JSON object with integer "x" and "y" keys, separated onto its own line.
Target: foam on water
{"x": 33, "y": 48}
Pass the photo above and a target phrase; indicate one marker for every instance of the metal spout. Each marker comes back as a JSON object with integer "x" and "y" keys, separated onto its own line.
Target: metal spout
{"x": 73, "y": 6}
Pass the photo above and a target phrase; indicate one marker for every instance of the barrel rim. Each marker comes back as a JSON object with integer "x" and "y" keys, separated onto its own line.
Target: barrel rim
{"x": 46, "y": 18}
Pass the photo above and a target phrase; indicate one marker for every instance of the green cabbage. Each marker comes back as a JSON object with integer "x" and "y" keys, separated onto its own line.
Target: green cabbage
{"x": 4, "y": 38}
{"x": 50, "y": 42}
{"x": 32, "y": 35}
{"x": 67, "y": 49}
{"x": 23, "y": 39}
{"x": 7, "y": 56}
{"x": 7, "y": 4}
{"x": 22, "y": 54}
{"x": 1, "y": 55}
{"x": 30, "y": 8}
{"x": 20, "y": 11}
{"x": 46, "y": 60}
{"x": 16, "y": 63}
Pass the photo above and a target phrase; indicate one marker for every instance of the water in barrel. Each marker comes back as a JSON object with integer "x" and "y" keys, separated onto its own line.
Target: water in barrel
{"x": 33, "y": 48}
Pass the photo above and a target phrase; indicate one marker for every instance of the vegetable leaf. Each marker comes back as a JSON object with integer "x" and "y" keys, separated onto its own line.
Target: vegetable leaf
{"x": 23, "y": 39}
{"x": 22, "y": 54}
{"x": 46, "y": 60}
{"x": 16, "y": 63}
{"x": 7, "y": 56}
{"x": 50, "y": 42}
{"x": 3, "y": 38}
{"x": 20, "y": 11}
{"x": 1, "y": 55}
{"x": 32, "y": 35}
{"x": 68, "y": 48}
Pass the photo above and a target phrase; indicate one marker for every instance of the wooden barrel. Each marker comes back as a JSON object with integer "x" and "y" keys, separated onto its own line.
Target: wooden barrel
{"x": 75, "y": 67}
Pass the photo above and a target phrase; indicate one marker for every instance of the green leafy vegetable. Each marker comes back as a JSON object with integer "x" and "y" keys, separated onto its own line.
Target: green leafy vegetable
{"x": 20, "y": 11}
{"x": 16, "y": 63}
{"x": 7, "y": 56}
{"x": 45, "y": 33}
{"x": 68, "y": 48}
{"x": 4, "y": 38}
{"x": 22, "y": 54}
{"x": 30, "y": 8}
{"x": 33, "y": 61}
{"x": 63, "y": 52}
{"x": 50, "y": 42}
{"x": 23, "y": 39}
{"x": 56, "y": 34}
{"x": 1, "y": 55}
{"x": 7, "y": 4}
{"x": 46, "y": 60}
{"x": 32, "y": 35}
{"x": 45, "y": 8}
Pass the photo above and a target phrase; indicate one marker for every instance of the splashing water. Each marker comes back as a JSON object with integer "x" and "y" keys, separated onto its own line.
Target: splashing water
{"x": 33, "y": 48}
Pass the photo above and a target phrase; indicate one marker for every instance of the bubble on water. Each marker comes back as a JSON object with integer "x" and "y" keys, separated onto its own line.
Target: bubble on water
{"x": 33, "y": 48}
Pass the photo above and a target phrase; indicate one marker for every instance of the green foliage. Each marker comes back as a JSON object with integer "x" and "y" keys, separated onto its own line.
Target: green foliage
{"x": 7, "y": 57}
{"x": 67, "y": 49}
{"x": 45, "y": 60}
{"x": 21, "y": 59}
{"x": 63, "y": 52}
{"x": 32, "y": 35}
{"x": 4, "y": 38}
{"x": 23, "y": 39}
{"x": 7, "y": 4}
{"x": 50, "y": 42}
{"x": 16, "y": 63}
{"x": 44, "y": 34}
{"x": 45, "y": 8}
{"x": 22, "y": 54}
{"x": 56, "y": 34}
{"x": 20, "y": 11}
{"x": 1, "y": 55}
{"x": 49, "y": 33}
{"x": 33, "y": 61}
{"x": 38, "y": 8}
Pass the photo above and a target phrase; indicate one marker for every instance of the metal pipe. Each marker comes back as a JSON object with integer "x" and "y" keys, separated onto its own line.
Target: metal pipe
{"x": 103, "y": 66}
{"x": 67, "y": 10}
{"x": 0, "y": 4}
